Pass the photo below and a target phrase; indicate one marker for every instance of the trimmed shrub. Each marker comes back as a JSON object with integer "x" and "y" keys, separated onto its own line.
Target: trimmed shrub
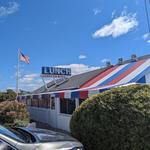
{"x": 13, "y": 113}
{"x": 117, "y": 119}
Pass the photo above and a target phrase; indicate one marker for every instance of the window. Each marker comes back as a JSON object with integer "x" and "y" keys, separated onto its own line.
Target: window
{"x": 52, "y": 103}
{"x": 63, "y": 106}
{"x": 44, "y": 101}
{"x": 22, "y": 99}
{"x": 35, "y": 101}
{"x": 28, "y": 100}
{"x": 5, "y": 146}
{"x": 67, "y": 106}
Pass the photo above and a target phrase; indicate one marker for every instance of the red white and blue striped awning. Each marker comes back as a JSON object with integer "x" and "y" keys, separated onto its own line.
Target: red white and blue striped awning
{"x": 123, "y": 74}
{"x": 120, "y": 75}
{"x": 85, "y": 93}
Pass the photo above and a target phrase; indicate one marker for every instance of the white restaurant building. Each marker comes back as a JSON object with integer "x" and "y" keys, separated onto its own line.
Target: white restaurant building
{"x": 55, "y": 105}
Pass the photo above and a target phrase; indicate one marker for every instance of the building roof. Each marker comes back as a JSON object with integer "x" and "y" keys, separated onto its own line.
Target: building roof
{"x": 138, "y": 58}
{"x": 74, "y": 82}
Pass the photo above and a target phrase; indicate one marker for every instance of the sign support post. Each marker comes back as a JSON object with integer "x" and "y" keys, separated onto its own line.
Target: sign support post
{"x": 44, "y": 83}
{"x": 54, "y": 72}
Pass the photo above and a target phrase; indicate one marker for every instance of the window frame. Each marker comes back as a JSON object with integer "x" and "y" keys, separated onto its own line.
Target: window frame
{"x": 35, "y": 100}
{"x": 67, "y": 111}
{"x": 52, "y": 103}
{"x": 28, "y": 101}
{"x": 44, "y": 101}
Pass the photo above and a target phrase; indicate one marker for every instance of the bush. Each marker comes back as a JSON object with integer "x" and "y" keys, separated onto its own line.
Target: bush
{"x": 117, "y": 119}
{"x": 13, "y": 113}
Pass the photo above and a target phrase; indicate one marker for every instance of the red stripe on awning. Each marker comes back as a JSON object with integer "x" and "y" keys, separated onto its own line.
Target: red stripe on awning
{"x": 62, "y": 95}
{"x": 83, "y": 95}
{"x": 99, "y": 77}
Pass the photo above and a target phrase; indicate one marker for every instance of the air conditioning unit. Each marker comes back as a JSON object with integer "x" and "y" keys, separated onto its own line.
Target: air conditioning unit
{"x": 120, "y": 61}
{"x": 133, "y": 57}
{"x": 108, "y": 63}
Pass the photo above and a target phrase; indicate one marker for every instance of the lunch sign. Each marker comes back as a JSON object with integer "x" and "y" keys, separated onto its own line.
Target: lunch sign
{"x": 55, "y": 72}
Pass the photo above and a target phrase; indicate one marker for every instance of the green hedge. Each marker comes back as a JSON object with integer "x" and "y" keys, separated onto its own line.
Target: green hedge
{"x": 117, "y": 119}
{"x": 13, "y": 113}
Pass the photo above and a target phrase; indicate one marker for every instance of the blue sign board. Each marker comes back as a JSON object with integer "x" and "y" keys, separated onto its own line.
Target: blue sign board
{"x": 55, "y": 71}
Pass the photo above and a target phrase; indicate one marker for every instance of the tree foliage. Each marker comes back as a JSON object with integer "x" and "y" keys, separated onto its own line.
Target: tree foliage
{"x": 8, "y": 95}
{"x": 117, "y": 119}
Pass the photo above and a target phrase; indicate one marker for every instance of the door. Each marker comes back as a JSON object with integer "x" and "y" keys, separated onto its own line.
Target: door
{"x": 53, "y": 112}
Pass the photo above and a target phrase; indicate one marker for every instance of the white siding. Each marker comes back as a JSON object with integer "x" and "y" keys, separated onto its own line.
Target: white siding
{"x": 63, "y": 122}
{"x": 40, "y": 114}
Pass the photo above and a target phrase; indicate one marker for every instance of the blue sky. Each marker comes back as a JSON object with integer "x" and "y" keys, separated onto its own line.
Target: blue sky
{"x": 81, "y": 34}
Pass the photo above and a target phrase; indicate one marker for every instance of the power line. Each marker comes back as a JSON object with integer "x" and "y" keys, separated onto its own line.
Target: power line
{"x": 147, "y": 15}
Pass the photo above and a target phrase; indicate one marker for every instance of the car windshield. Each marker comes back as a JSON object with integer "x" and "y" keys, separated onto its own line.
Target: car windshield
{"x": 17, "y": 134}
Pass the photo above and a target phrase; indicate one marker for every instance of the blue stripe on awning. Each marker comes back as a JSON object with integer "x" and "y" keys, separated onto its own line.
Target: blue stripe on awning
{"x": 117, "y": 74}
{"x": 102, "y": 90}
{"x": 57, "y": 95}
{"x": 75, "y": 94}
{"x": 139, "y": 76}
{"x": 142, "y": 80}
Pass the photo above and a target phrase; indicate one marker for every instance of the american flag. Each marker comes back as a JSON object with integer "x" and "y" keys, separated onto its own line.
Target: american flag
{"x": 24, "y": 58}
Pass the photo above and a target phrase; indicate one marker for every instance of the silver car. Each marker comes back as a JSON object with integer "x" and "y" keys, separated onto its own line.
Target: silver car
{"x": 36, "y": 139}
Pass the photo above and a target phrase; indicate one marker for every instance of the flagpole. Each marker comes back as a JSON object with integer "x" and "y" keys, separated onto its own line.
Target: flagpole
{"x": 18, "y": 70}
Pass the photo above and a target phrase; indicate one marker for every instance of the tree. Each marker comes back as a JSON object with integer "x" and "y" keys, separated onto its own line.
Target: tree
{"x": 8, "y": 95}
{"x": 11, "y": 95}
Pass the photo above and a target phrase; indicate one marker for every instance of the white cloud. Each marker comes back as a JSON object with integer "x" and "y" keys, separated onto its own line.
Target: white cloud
{"x": 82, "y": 57}
{"x": 96, "y": 11}
{"x": 119, "y": 26}
{"x": 12, "y": 88}
{"x": 30, "y": 82}
{"x": 148, "y": 41}
{"x": 10, "y": 9}
{"x": 105, "y": 60}
{"x": 79, "y": 68}
{"x": 146, "y": 37}
{"x": 28, "y": 78}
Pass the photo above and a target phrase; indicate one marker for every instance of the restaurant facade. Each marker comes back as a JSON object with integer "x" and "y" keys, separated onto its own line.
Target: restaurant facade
{"x": 54, "y": 103}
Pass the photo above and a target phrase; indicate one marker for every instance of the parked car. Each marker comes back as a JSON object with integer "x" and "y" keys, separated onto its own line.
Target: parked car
{"x": 36, "y": 139}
